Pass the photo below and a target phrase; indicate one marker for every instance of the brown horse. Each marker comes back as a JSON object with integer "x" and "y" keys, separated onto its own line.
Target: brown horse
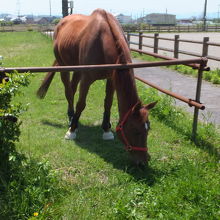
{"x": 99, "y": 39}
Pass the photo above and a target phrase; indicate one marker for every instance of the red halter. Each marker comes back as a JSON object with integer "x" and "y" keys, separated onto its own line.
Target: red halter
{"x": 128, "y": 147}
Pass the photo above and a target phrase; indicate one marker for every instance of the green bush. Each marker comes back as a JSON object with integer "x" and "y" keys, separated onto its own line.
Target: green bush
{"x": 207, "y": 76}
{"x": 56, "y": 21}
{"x": 215, "y": 79}
{"x": 26, "y": 186}
{"x": 131, "y": 27}
{"x": 9, "y": 130}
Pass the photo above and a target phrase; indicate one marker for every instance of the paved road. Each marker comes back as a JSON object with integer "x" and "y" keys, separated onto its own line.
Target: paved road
{"x": 196, "y": 48}
{"x": 185, "y": 86}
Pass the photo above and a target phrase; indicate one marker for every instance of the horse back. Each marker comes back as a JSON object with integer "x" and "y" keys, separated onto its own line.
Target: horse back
{"x": 85, "y": 40}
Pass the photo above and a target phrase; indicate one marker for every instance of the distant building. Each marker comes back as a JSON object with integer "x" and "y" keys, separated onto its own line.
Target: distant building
{"x": 44, "y": 20}
{"x": 185, "y": 22}
{"x": 160, "y": 19}
{"x": 123, "y": 19}
{"x": 30, "y": 19}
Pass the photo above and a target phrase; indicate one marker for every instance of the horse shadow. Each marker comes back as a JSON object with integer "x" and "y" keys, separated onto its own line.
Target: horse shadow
{"x": 89, "y": 137}
{"x": 113, "y": 152}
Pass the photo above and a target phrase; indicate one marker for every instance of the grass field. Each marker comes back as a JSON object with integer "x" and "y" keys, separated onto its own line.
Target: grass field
{"x": 97, "y": 181}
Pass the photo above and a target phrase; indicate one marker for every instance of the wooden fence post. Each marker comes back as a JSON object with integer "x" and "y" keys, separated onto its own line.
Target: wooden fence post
{"x": 156, "y": 40}
{"x": 205, "y": 47}
{"x": 128, "y": 38}
{"x": 176, "y": 46}
{"x": 140, "y": 41}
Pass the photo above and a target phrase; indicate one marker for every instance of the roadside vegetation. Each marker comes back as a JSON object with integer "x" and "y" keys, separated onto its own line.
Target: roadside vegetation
{"x": 212, "y": 76}
{"x": 92, "y": 179}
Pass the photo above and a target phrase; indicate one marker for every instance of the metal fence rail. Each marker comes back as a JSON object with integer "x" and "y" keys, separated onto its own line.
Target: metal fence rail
{"x": 198, "y": 63}
{"x": 192, "y": 62}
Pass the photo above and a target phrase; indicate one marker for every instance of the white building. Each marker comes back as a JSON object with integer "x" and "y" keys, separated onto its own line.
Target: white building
{"x": 123, "y": 19}
{"x": 160, "y": 19}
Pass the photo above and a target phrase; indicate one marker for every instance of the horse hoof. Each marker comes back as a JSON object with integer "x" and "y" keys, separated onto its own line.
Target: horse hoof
{"x": 108, "y": 136}
{"x": 70, "y": 135}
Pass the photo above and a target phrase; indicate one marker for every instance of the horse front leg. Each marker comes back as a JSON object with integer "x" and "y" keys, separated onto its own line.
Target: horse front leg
{"x": 81, "y": 104}
{"x": 106, "y": 125}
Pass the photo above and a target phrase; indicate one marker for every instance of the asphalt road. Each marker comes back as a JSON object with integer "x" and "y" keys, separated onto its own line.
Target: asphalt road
{"x": 190, "y": 47}
{"x": 185, "y": 86}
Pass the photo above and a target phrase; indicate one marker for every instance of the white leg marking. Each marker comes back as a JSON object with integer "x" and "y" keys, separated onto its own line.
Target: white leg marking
{"x": 70, "y": 135}
{"x": 108, "y": 136}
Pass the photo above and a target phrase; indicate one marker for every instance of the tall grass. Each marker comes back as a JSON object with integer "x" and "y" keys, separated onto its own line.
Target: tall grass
{"x": 181, "y": 182}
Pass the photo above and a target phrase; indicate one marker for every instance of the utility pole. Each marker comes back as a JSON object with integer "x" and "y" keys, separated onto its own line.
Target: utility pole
{"x": 65, "y": 7}
{"x": 218, "y": 13}
{"x": 70, "y": 6}
{"x": 50, "y": 7}
{"x": 18, "y": 7}
{"x": 204, "y": 16}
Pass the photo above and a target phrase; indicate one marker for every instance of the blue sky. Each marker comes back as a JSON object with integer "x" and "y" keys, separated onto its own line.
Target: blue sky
{"x": 136, "y": 7}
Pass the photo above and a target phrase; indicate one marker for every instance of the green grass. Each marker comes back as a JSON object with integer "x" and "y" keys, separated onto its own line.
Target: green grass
{"x": 212, "y": 76}
{"x": 97, "y": 181}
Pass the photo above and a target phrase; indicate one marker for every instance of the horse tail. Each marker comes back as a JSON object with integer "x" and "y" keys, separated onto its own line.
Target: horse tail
{"x": 41, "y": 92}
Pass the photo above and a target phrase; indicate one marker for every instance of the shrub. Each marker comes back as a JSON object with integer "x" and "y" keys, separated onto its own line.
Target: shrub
{"x": 130, "y": 27}
{"x": 26, "y": 186}
{"x": 207, "y": 76}
{"x": 215, "y": 79}
{"x": 56, "y": 21}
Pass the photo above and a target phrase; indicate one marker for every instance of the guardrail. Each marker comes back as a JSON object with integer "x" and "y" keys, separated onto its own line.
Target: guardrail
{"x": 198, "y": 63}
{"x": 176, "y": 41}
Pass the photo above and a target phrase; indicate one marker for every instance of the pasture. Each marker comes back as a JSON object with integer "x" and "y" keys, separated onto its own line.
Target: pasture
{"x": 96, "y": 178}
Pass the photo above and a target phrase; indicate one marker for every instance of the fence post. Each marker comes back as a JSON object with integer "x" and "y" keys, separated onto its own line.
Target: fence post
{"x": 176, "y": 46}
{"x": 205, "y": 47}
{"x": 128, "y": 38}
{"x": 198, "y": 94}
{"x": 156, "y": 40}
{"x": 140, "y": 41}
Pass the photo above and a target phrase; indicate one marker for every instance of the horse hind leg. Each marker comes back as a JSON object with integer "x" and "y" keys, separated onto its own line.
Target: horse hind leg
{"x": 81, "y": 104}
{"x": 74, "y": 83}
{"x": 65, "y": 77}
{"x": 106, "y": 125}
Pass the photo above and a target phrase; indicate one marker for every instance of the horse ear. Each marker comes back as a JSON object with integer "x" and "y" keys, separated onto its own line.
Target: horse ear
{"x": 136, "y": 109}
{"x": 150, "y": 105}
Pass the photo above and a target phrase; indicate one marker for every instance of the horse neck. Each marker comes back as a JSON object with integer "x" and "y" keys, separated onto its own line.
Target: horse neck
{"x": 126, "y": 91}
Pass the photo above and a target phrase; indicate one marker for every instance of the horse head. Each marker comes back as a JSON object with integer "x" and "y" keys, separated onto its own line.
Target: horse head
{"x": 133, "y": 131}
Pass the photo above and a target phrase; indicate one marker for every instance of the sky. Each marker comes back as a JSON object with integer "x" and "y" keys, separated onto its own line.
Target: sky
{"x": 136, "y": 8}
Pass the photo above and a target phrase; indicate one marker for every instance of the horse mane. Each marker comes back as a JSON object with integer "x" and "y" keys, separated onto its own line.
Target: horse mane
{"x": 124, "y": 79}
